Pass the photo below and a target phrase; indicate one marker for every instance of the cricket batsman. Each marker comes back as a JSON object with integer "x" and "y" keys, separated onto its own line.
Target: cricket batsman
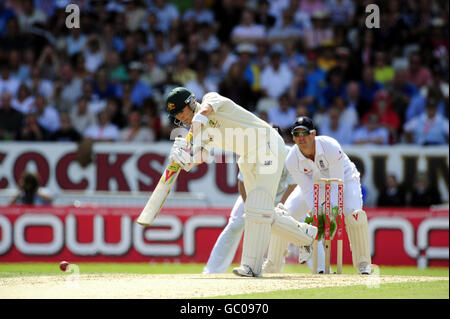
{"x": 218, "y": 122}
{"x": 314, "y": 157}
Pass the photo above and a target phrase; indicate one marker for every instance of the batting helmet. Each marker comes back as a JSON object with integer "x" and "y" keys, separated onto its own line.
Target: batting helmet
{"x": 178, "y": 99}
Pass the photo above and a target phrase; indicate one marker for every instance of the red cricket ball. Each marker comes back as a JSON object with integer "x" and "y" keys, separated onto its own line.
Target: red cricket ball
{"x": 63, "y": 265}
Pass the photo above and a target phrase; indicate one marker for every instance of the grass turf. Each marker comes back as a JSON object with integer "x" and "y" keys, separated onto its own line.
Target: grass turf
{"x": 423, "y": 290}
{"x": 52, "y": 268}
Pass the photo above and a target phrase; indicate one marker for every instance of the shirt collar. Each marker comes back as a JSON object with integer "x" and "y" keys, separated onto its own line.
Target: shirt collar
{"x": 319, "y": 150}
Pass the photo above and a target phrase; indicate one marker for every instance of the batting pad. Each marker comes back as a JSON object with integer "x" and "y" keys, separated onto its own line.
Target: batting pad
{"x": 290, "y": 230}
{"x": 358, "y": 235}
{"x": 278, "y": 250}
{"x": 258, "y": 218}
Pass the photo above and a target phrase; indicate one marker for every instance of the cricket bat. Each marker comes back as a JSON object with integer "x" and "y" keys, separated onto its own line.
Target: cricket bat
{"x": 159, "y": 195}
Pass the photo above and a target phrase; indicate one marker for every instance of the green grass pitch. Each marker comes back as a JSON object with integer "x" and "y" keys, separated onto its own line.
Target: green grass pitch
{"x": 413, "y": 290}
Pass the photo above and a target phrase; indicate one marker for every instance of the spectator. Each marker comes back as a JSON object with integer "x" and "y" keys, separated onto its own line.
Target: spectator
{"x": 130, "y": 52}
{"x": 71, "y": 85}
{"x": 336, "y": 127}
{"x": 327, "y": 59}
{"x": 292, "y": 56}
{"x": 311, "y": 7}
{"x": 263, "y": 16}
{"x": 335, "y": 87}
{"x": 341, "y": 12}
{"x": 383, "y": 72}
{"x": 372, "y": 133}
{"x": 183, "y": 73}
{"x": 116, "y": 113}
{"x": 315, "y": 75}
{"x": 389, "y": 119}
{"x": 302, "y": 20}
{"x": 134, "y": 15}
{"x": 10, "y": 119}
{"x": 167, "y": 14}
{"x": 401, "y": 92}
{"x": 392, "y": 195}
{"x": 39, "y": 85}
{"x": 18, "y": 70}
{"x": 31, "y": 130}
{"x": 5, "y": 15}
{"x": 24, "y": 100}
{"x": 428, "y": 128}
{"x": 104, "y": 131}
{"x": 201, "y": 85}
{"x": 208, "y": 41}
{"x": 152, "y": 74}
{"x": 30, "y": 193}
{"x": 151, "y": 117}
{"x": 49, "y": 63}
{"x": 302, "y": 90}
{"x": 354, "y": 100}
{"x": 282, "y": 115}
{"x": 139, "y": 89}
{"x": 419, "y": 101}
{"x": 286, "y": 31}
{"x": 347, "y": 113}
{"x": 320, "y": 32}
{"x": 227, "y": 14}
{"x": 66, "y": 132}
{"x": 7, "y": 82}
{"x": 81, "y": 117}
{"x": 246, "y": 52}
{"x": 199, "y": 13}
{"x": 248, "y": 31}
{"x": 417, "y": 74}
{"x": 94, "y": 53}
{"x": 102, "y": 87}
{"x": 347, "y": 65}
{"x": 276, "y": 78}
{"x": 368, "y": 87}
{"x": 235, "y": 87}
{"x": 117, "y": 71}
{"x": 47, "y": 115}
{"x": 424, "y": 194}
{"x": 134, "y": 132}
{"x": 436, "y": 82}
{"x": 75, "y": 41}
{"x": 29, "y": 15}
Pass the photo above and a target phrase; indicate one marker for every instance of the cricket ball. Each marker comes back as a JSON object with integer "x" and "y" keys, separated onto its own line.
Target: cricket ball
{"x": 63, "y": 265}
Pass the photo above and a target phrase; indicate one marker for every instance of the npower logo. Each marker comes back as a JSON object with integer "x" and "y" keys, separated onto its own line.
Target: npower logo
{"x": 160, "y": 240}
{"x": 418, "y": 249}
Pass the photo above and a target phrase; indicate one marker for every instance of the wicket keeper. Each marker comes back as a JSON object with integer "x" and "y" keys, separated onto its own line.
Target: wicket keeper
{"x": 314, "y": 157}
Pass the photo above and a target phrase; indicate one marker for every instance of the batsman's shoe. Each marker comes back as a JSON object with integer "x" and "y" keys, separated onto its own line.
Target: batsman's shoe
{"x": 245, "y": 271}
{"x": 304, "y": 253}
{"x": 365, "y": 269}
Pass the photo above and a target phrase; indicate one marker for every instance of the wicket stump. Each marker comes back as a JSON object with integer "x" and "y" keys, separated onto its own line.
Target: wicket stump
{"x": 328, "y": 219}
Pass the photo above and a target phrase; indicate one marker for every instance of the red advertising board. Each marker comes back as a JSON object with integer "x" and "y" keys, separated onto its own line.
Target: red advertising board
{"x": 109, "y": 234}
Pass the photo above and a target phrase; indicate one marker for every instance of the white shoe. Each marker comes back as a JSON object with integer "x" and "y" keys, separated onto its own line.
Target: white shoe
{"x": 304, "y": 253}
{"x": 365, "y": 269}
{"x": 311, "y": 231}
{"x": 270, "y": 268}
{"x": 245, "y": 271}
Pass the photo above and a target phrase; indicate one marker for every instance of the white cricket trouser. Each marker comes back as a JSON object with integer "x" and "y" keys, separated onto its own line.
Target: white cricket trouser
{"x": 227, "y": 243}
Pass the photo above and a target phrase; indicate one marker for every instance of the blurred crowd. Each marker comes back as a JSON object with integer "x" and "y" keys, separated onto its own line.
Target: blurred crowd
{"x": 106, "y": 81}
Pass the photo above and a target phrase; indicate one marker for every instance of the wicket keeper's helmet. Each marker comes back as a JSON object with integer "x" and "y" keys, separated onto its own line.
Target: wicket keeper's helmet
{"x": 305, "y": 123}
{"x": 178, "y": 99}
